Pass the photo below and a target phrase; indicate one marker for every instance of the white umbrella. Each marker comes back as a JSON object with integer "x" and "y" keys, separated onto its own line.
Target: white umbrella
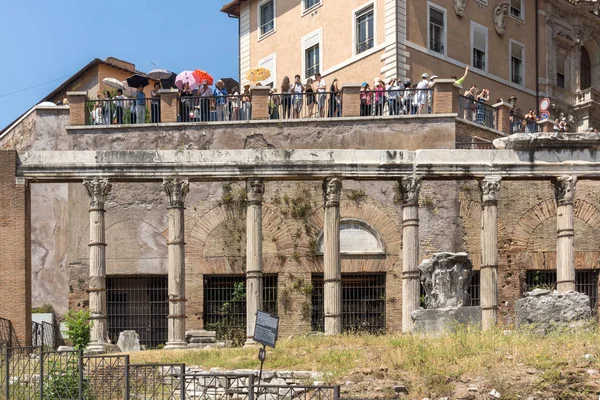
{"x": 128, "y": 90}
{"x": 113, "y": 83}
{"x": 159, "y": 74}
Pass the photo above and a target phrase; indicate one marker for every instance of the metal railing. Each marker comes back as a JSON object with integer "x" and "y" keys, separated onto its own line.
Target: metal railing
{"x": 123, "y": 111}
{"x": 215, "y": 108}
{"x": 518, "y": 124}
{"x": 45, "y": 335}
{"x": 30, "y": 373}
{"x": 305, "y": 105}
{"x": 477, "y": 112}
{"x": 7, "y": 334}
{"x": 436, "y": 46}
{"x": 398, "y": 101}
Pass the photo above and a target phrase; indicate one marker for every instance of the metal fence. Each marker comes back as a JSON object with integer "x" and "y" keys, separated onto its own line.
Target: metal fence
{"x": 363, "y": 303}
{"x": 477, "y": 112}
{"x": 518, "y": 124}
{"x": 214, "y": 108}
{"x": 399, "y": 101}
{"x": 123, "y": 111}
{"x": 7, "y": 334}
{"x": 30, "y": 373}
{"x": 305, "y": 105}
{"x": 45, "y": 335}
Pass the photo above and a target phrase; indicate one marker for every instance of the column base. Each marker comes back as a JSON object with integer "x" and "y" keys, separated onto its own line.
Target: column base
{"x": 175, "y": 345}
{"x": 101, "y": 348}
{"x": 250, "y": 342}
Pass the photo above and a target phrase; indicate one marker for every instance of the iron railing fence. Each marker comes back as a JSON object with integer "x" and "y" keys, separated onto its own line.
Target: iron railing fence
{"x": 586, "y": 281}
{"x": 138, "y": 303}
{"x": 215, "y": 108}
{"x": 396, "y": 101}
{"x": 518, "y": 124}
{"x": 475, "y": 143}
{"x": 127, "y": 111}
{"x": 436, "y": 46}
{"x": 305, "y": 105}
{"x": 45, "y": 334}
{"x": 7, "y": 334}
{"x": 297, "y": 392}
{"x": 477, "y": 112}
{"x": 363, "y": 303}
{"x": 225, "y": 304}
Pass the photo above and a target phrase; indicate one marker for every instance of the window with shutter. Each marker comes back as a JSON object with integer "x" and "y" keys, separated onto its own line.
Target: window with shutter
{"x": 560, "y": 71}
{"x": 436, "y": 30}
{"x": 516, "y": 63}
{"x": 479, "y": 48}
{"x": 516, "y": 8}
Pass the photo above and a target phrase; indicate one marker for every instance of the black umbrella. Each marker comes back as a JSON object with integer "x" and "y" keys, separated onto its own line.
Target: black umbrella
{"x": 169, "y": 83}
{"x": 136, "y": 81}
{"x": 230, "y": 84}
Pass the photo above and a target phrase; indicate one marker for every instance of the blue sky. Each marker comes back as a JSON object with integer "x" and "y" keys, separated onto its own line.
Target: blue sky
{"x": 46, "y": 41}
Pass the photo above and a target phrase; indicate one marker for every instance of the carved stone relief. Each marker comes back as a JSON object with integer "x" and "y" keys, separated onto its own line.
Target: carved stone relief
{"x": 500, "y": 17}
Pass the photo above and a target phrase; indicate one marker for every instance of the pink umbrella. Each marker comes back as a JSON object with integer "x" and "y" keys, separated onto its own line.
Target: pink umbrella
{"x": 186, "y": 77}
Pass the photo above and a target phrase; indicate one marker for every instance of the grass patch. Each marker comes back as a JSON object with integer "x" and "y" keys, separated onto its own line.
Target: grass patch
{"x": 430, "y": 366}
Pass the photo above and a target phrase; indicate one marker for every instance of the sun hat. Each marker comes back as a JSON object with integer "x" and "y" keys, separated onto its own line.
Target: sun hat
{"x": 425, "y": 75}
{"x": 364, "y": 84}
{"x": 434, "y": 77}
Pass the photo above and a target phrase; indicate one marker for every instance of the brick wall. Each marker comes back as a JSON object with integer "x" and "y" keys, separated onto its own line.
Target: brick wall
{"x": 15, "y": 253}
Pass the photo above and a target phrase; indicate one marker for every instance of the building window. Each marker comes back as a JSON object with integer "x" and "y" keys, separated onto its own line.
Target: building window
{"x": 266, "y": 17}
{"x": 225, "y": 304}
{"x": 269, "y": 63}
{"x": 436, "y": 30}
{"x": 560, "y": 71}
{"x": 138, "y": 303}
{"x": 479, "y": 45}
{"x": 363, "y": 303}
{"x": 312, "y": 60}
{"x": 516, "y": 63}
{"x": 516, "y": 8}
{"x": 586, "y": 70}
{"x": 311, "y": 3}
{"x": 365, "y": 31}
{"x": 586, "y": 282}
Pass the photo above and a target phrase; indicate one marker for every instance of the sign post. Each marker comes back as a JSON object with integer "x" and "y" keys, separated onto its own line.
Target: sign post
{"x": 265, "y": 333}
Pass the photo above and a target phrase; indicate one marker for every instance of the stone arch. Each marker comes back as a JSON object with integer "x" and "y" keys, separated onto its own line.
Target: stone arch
{"x": 532, "y": 219}
{"x": 208, "y": 253}
{"x": 373, "y": 244}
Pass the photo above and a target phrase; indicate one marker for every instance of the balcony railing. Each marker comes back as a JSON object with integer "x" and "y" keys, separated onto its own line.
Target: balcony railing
{"x": 123, "y": 111}
{"x": 436, "y": 46}
{"x": 477, "y": 112}
{"x": 214, "y": 108}
{"x": 518, "y": 124}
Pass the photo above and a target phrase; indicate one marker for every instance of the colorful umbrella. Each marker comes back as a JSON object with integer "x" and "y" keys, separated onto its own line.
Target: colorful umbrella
{"x": 113, "y": 83}
{"x": 203, "y": 76}
{"x": 186, "y": 77}
{"x": 258, "y": 74}
{"x": 159, "y": 74}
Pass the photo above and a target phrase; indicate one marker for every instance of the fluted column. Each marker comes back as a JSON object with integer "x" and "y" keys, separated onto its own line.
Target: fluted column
{"x": 176, "y": 191}
{"x": 564, "y": 189}
{"x": 255, "y": 189}
{"x": 332, "y": 189}
{"x": 98, "y": 190}
{"x": 490, "y": 187}
{"x": 409, "y": 191}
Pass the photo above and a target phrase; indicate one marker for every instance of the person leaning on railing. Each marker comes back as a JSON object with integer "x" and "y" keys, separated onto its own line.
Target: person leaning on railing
{"x": 365, "y": 100}
{"x": 205, "y": 94}
{"x": 234, "y": 104}
{"x": 155, "y": 105}
{"x": 393, "y": 91}
{"x": 185, "y": 103}
{"x": 321, "y": 94}
{"x": 297, "y": 92}
{"x": 274, "y": 103}
{"x": 286, "y": 97}
{"x": 310, "y": 97}
{"x": 334, "y": 92}
{"x": 482, "y": 97}
{"x": 106, "y": 106}
{"x": 220, "y": 94}
{"x": 119, "y": 106}
{"x": 379, "y": 96}
{"x": 246, "y": 111}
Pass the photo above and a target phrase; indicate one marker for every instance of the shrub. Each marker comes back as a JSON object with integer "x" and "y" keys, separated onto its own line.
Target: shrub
{"x": 78, "y": 327}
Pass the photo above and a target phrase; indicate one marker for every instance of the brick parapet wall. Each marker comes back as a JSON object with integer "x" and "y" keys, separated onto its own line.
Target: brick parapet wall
{"x": 260, "y": 102}
{"x": 169, "y": 105}
{"x": 15, "y": 249}
{"x": 351, "y": 101}
{"x": 79, "y": 114}
{"x": 446, "y": 97}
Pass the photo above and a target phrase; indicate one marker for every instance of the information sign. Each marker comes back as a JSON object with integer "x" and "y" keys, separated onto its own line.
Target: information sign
{"x": 265, "y": 329}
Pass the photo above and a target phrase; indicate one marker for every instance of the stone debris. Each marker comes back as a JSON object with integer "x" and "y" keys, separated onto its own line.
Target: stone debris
{"x": 401, "y": 389}
{"x": 544, "y": 311}
{"x": 129, "y": 341}
{"x": 494, "y": 394}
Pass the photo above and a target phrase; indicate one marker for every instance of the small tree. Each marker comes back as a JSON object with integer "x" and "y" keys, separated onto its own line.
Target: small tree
{"x": 79, "y": 328}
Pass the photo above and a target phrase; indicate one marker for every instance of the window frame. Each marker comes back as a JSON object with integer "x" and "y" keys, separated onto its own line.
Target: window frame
{"x": 431, "y": 5}
{"x": 476, "y": 26}
{"x": 355, "y": 13}
{"x": 310, "y": 38}
{"x": 260, "y": 23}
{"x": 512, "y": 42}
{"x": 560, "y": 57}
{"x": 261, "y": 63}
{"x": 304, "y": 11}
{"x": 521, "y": 9}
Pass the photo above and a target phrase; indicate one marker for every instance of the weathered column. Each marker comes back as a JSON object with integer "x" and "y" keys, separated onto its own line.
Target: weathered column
{"x": 409, "y": 191}
{"x": 489, "y": 251}
{"x": 564, "y": 189}
{"x": 176, "y": 191}
{"x": 332, "y": 189}
{"x": 98, "y": 190}
{"x": 254, "y": 271}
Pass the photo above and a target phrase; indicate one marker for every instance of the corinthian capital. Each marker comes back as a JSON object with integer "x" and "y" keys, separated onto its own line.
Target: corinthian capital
{"x": 409, "y": 190}
{"x": 98, "y": 190}
{"x": 490, "y": 187}
{"x": 176, "y": 191}
{"x": 564, "y": 189}
{"x": 255, "y": 188}
{"x": 332, "y": 188}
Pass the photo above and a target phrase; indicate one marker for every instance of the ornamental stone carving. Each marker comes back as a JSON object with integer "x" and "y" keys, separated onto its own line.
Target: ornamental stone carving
{"x": 445, "y": 278}
{"x": 489, "y": 189}
{"x": 564, "y": 189}
{"x": 500, "y": 17}
{"x": 255, "y": 188}
{"x": 98, "y": 190}
{"x": 332, "y": 188}
{"x": 409, "y": 190}
{"x": 176, "y": 191}
{"x": 459, "y": 7}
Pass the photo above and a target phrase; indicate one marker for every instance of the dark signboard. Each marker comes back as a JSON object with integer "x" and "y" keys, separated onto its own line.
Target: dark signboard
{"x": 265, "y": 329}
